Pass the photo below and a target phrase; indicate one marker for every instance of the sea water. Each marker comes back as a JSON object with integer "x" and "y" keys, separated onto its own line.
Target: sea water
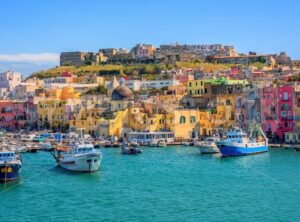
{"x": 161, "y": 184}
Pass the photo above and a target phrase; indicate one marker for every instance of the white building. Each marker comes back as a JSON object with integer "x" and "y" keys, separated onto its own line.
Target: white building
{"x": 9, "y": 80}
{"x": 137, "y": 85}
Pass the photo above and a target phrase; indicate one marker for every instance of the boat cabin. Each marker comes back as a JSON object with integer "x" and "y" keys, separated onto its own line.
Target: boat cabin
{"x": 87, "y": 148}
{"x": 5, "y": 156}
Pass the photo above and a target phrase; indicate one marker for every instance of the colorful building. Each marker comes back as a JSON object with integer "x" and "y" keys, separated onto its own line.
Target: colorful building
{"x": 286, "y": 121}
{"x": 55, "y": 107}
{"x": 16, "y": 115}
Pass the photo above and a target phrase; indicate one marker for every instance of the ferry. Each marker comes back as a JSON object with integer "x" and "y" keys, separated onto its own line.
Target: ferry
{"x": 10, "y": 166}
{"x": 80, "y": 158}
{"x": 237, "y": 143}
{"x": 208, "y": 145}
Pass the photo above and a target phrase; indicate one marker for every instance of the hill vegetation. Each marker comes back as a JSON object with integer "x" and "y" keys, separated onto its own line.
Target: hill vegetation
{"x": 135, "y": 70}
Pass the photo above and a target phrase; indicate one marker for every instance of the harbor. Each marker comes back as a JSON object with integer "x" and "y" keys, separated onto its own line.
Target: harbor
{"x": 114, "y": 111}
{"x": 157, "y": 186}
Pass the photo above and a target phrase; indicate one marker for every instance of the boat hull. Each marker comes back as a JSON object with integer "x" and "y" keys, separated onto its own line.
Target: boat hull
{"x": 10, "y": 172}
{"x": 231, "y": 150}
{"x": 206, "y": 149}
{"x": 83, "y": 163}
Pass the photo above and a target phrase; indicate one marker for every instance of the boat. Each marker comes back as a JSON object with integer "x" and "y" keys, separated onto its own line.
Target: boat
{"x": 134, "y": 144}
{"x": 186, "y": 143}
{"x": 208, "y": 145}
{"x": 80, "y": 158}
{"x": 238, "y": 143}
{"x": 38, "y": 139}
{"x": 148, "y": 137}
{"x": 10, "y": 166}
{"x": 153, "y": 143}
{"x": 32, "y": 148}
{"x": 129, "y": 150}
{"x": 46, "y": 146}
{"x": 161, "y": 143}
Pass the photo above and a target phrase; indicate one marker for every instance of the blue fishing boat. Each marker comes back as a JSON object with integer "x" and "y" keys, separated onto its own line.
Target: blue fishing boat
{"x": 10, "y": 166}
{"x": 238, "y": 143}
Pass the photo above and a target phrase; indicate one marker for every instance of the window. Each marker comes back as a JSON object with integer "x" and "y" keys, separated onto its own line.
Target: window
{"x": 192, "y": 119}
{"x": 182, "y": 120}
{"x": 285, "y": 96}
{"x": 205, "y": 90}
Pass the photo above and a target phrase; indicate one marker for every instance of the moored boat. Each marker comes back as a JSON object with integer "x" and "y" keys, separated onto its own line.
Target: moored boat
{"x": 80, "y": 158}
{"x": 237, "y": 143}
{"x": 153, "y": 143}
{"x": 208, "y": 145}
{"x": 129, "y": 150}
{"x": 10, "y": 166}
{"x": 161, "y": 143}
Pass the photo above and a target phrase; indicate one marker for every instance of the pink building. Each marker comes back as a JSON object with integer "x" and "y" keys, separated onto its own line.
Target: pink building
{"x": 285, "y": 110}
{"x": 16, "y": 115}
{"x": 277, "y": 105}
{"x": 269, "y": 110}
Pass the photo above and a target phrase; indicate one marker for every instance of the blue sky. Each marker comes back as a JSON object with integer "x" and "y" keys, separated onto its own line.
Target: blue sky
{"x": 42, "y": 29}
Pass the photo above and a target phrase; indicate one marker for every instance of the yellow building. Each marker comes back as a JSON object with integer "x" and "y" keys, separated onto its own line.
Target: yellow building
{"x": 55, "y": 105}
{"x": 197, "y": 87}
{"x": 114, "y": 124}
{"x": 225, "y": 116}
{"x": 87, "y": 120}
{"x": 201, "y": 87}
{"x": 67, "y": 92}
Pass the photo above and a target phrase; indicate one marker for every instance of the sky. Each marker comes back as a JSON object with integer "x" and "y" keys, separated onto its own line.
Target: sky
{"x": 34, "y": 32}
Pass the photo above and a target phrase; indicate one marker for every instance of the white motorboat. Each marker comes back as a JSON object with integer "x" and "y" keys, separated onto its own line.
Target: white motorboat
{"x": 130, "y": 150}
{"x": 153, "y": 143}
{"x": 80, "y": 158}
{"x": 208, "y": 145}
{"x": 161, "y": 143}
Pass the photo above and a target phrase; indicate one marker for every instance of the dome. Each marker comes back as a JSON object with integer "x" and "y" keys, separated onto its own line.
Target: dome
{"x": 121, "y": 93}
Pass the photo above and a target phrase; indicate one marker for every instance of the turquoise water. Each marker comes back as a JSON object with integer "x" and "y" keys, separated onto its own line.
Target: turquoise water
{"x": 162, "y": 184}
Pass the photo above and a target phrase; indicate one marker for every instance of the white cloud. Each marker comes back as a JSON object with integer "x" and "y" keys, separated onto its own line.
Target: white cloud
{"x": 30, "y": 58}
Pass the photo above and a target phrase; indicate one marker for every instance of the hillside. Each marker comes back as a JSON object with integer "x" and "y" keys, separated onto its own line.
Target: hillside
{"x": 134, "y": 70}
